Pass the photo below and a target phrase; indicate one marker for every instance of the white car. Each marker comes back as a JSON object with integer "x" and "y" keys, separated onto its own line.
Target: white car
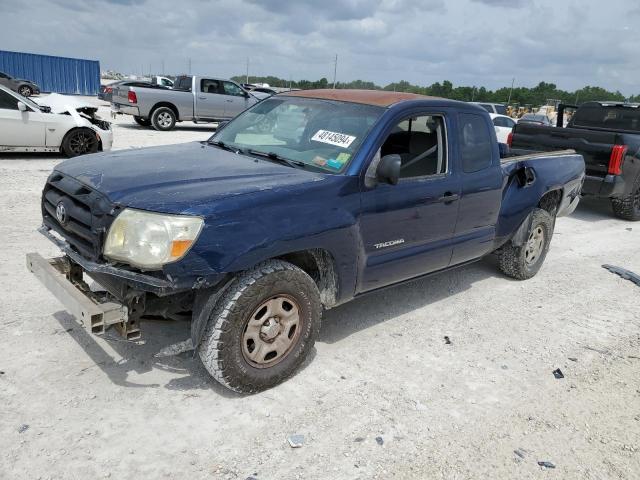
{"x": 57, "y": 123}
{"x": 503, "y": 126}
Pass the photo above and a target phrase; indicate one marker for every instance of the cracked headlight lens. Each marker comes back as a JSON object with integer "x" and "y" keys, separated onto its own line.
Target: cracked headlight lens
{"x": 150, "y": 240}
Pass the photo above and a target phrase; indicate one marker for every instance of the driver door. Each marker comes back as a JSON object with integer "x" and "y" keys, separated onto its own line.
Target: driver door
{"x": 407, "y": 228}
{"x": 236, "y": 100}
{"x": 18, "y": 128}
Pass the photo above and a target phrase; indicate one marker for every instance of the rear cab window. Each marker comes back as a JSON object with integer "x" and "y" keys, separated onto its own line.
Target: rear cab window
{"x": 610, "y": 117}
{"x": 475, "y": 142}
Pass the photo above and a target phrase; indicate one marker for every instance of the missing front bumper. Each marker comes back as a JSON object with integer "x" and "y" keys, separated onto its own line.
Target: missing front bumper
{"x": 96, "y": 312}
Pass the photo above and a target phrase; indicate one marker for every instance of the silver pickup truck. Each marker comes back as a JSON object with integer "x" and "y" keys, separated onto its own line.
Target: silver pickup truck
{"x": 199, "y": 99}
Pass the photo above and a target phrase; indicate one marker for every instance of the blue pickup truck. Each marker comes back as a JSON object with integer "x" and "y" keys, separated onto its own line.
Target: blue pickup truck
{"x": 303, "y": 202}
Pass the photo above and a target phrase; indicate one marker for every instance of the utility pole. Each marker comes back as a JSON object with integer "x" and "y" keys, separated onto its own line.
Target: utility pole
{"x": 473, "y": 93}
{"x": 513, "y": 80}
{"x": 247, "y": 79}
{"x": 335, "y": 70}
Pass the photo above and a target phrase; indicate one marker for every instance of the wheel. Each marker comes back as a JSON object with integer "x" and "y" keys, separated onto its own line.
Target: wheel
{"x": 143, "y": 122}
{"x": 628, "y": 208}
{"x": 25, "y": 91}
{"x": 262, "y": 328}
{"x": 80, "y": 141}
{"x": 163, "y": 118}
{"x": 523, "y": 262}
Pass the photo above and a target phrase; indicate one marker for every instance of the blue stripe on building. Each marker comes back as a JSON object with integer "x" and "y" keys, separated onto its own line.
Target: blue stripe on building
{"x": 53, "y": 74}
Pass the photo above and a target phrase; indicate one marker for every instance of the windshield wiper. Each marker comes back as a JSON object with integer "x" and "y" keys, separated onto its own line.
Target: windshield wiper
{"x": 224, "y": 146}
{"x": 277, "y": 158}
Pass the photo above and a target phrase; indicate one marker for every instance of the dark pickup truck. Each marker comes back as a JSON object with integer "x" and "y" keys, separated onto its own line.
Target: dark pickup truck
{"x": 607, "y": 135}
{"x": 301, "y": 203}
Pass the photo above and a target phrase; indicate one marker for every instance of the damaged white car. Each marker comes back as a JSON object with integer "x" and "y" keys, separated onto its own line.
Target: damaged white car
{"x": 57, "y": 123}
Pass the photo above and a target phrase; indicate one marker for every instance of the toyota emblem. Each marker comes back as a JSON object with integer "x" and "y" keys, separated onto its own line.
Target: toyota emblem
{"x": 61, "y": 213}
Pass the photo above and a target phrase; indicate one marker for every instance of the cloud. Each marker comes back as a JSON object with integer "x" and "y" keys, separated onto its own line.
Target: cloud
{"x": 469, "y": 42}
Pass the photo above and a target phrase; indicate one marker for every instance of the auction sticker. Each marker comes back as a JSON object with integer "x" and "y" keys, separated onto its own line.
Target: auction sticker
{"x": 333, "y": 138}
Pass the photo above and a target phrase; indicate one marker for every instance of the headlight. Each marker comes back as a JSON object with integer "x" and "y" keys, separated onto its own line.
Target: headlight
{"x": 150, "y": 240}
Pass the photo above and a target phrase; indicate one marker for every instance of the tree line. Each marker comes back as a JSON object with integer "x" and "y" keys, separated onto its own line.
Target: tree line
{"x": 535, "y": 96}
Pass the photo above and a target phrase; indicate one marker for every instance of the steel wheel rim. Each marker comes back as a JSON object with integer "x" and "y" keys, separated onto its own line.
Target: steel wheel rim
{"x": 164, "y": 119}
{"x": 271, "y": 331}
{"x": 535, "y": 245}
{"x": 25, "y": 91}
{"x": 81, "y": 142}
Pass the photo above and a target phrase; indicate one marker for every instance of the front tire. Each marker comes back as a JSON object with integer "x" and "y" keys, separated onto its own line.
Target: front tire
{"x": 523, "y": 262}
{"x": 628, "y": 208}
{"x": 25, "y": 91}
{"x": 143, "y": 122}
{"x": 80, "y": 141}
{"x": 263, "y": 327}
{"x": 163, "y": 119}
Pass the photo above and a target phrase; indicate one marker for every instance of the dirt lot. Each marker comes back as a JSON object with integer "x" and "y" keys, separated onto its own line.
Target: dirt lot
{"x": 74, "y": 406}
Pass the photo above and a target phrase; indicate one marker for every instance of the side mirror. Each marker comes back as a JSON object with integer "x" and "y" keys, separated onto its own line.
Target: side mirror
{"x": 389, "y": 169}
{"x": 22, "y": 107}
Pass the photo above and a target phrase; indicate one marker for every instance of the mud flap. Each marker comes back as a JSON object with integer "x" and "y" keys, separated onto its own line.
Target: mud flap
{"x": 203, "y": 305}
{"x": 520, "y": 237}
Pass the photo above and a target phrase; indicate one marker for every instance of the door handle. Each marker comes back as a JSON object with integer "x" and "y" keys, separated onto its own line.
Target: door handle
{"x": 202, "y": 98}
{"x": 230, "y": 101}
{"x": 449, "y": 197}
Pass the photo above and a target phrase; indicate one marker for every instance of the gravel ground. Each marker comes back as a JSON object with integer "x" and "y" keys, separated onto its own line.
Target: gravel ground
{"x": 383, "y": 396}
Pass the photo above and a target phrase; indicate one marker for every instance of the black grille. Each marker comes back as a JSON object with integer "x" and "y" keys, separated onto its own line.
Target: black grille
{"x": 87, "y": 214}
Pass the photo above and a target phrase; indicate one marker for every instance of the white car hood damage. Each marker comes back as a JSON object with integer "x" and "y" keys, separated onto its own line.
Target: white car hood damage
{"x": 62, "y": 104}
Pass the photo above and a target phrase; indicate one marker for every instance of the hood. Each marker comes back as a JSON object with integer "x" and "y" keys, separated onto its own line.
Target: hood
{"x": 65, "y": 103}
{"x": 180, "y": 178}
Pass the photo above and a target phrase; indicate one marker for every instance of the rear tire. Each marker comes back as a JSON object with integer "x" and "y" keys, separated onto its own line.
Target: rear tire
{"x": 25, "y": 90}
{"x": 163, "y": 119}
{"x": 143, "y": 122}
{"x": 262, "y": 328}
{"x": 523, "y": 262}
{"x": 628, "y": 208}
{"x": 81, "y": 141}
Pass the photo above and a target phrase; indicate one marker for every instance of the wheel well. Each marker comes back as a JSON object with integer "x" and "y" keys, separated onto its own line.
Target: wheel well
{"x": 165, "y": 104}
{"x": 75, "y": 129}
{"x": 320, "y": 266}
{"x": 550, "y": 201}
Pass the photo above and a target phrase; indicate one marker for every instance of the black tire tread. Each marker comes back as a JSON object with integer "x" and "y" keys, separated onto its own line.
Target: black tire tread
{"x": 220, "y": 322}
{"x": 624, "y": 207}
{"x": 511, "y": 257}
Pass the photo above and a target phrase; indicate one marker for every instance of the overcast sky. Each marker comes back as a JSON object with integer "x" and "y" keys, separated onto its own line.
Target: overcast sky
{"x": 471, "y": 42}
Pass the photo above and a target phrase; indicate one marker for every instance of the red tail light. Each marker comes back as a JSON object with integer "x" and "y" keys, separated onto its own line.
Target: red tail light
{"x": 617, "y": 157}
{"x": 132, "y": 97}
{"x": 108, "y": 90}
{"x": 510, "y": 139}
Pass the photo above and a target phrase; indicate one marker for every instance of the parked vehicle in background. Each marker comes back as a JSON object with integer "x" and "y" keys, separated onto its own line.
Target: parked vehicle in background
{"x": 162, "y": 81}
{"x": 57, "y": 124}
{"x": 607, "y": 134}
{"x": 301, "y": 203}
{"x": 195, "y": 98}
{"x": 535, "y": 118}
{"x": 106, "y": 91}
{"x": 503, "y": 126}
{"x": 26, "y": 88}
{"x": 497, "y": 108}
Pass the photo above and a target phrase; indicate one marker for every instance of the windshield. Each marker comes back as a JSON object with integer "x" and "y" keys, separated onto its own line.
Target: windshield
{"x": 320, "y": 133}
{"x": 501, "y": 109}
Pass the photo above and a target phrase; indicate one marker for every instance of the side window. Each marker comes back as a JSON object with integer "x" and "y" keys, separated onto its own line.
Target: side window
{"x": 503, "y": 122}
{"x": 209, "y": 86}
{"x": 232, "y": 89}
{"x": 487, "y": 107}
{"x": 421, "y": 143}
{"x": 183, "y": 83}
{"x": 475, "y": 142}
{"x": 8, "y": 102}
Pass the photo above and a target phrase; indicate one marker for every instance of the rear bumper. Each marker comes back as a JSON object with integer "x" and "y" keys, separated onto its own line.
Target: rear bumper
{"x": 64, "y": 281}
{"x": 126, "y": 109}
{"x": 608, "y": 186}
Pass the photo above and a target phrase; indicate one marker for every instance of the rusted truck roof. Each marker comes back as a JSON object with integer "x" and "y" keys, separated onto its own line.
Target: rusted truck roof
{"x": 381, "y": 98}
